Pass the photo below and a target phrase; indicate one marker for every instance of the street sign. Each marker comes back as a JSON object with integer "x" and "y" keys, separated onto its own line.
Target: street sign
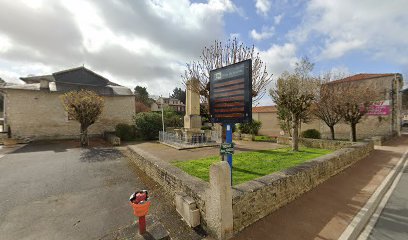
{"x": 227, "y": 148}
{"x": 231, "y": 93}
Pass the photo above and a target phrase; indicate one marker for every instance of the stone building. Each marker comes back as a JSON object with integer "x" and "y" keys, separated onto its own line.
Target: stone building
{"x": 387, "y": 88}
{"x": 174, "y": 103}
{"x": 267, "y": 115}
{"x": 380, "y": 123}
{"x": 34, "y": 110}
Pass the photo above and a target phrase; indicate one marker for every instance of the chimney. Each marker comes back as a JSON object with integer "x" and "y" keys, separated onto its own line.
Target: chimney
{"x": 44, "y": 84}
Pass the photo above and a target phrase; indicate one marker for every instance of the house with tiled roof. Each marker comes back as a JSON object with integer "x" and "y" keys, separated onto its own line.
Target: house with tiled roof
{"x": 34, "y": 110}
{"x": 384, "y": 119}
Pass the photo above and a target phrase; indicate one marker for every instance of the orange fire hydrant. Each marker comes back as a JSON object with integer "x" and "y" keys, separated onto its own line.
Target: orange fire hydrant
{"x": 140, "y": 203}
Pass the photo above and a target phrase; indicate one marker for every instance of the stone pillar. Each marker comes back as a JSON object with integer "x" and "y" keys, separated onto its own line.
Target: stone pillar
{"x": 219, "y": 202}
{"x": 192, "y": 119}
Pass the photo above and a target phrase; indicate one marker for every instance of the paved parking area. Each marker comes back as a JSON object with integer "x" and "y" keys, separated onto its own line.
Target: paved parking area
{"x": 58, "y": 191}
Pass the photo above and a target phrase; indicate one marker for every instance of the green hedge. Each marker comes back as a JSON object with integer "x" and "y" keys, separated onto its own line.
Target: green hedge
{"x": 311, "y": 133}
{"x": 126, "y": 132}
{"x": 148, "y": 125}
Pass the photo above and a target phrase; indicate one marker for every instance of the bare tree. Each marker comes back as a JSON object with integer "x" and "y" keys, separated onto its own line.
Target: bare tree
{"x": 354, "y": 103}
{"x": 219, "y": 55}
{"x": 85, "y": 107}
{"x": 326, "y": 106}
{"x": 328, "y": 102}
{"x": 296, "y": 92}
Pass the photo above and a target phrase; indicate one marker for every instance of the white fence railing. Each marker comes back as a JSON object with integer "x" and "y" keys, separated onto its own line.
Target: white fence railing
{"x": 182, "y": 139}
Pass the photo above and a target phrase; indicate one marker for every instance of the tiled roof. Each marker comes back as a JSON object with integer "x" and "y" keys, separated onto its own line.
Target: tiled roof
{"x": 74, "y": 79}
{"x": 66, "y": 87}
{"x": 364, "y": 76}
{"x": 264, "y": 109}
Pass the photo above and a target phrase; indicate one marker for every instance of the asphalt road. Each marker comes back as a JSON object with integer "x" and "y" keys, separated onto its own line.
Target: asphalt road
{"x": 393, "y": 220}
{"x": 55, "y": 190}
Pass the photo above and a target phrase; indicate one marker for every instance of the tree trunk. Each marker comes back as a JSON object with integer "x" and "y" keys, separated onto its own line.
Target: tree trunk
{"x": 353, "y": 134}
{"x": 332, "y": 132}
{"x": 84, "y": 137}
{"x": 299, "y": 127}
{"x": 295, "y": 135}
{"x": 288, "y": 127}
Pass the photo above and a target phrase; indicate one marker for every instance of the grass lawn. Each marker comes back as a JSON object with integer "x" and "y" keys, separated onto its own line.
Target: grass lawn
{"x": 251, "y": 165}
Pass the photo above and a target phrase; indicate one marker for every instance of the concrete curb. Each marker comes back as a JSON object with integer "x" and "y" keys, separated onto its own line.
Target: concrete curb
{"x": 359, "y": 221}
{"x": 373, "y": 220}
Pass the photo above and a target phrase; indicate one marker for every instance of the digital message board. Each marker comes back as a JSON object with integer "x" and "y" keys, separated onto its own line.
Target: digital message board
{"x": 231, "y": 93}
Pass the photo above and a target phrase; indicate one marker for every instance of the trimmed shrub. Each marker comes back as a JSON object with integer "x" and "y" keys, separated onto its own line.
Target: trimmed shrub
{"x": 148, "y": 125}
{"x": 126, "y": 132}
{"x": 172, "y": 118}
{"x": 250, "y": 128}
{"x": 311, "y": 133}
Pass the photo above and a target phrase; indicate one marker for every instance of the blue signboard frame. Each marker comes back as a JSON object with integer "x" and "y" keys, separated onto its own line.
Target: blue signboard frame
{"x": 231, "y": 97}
{"x": 231, "y": 93}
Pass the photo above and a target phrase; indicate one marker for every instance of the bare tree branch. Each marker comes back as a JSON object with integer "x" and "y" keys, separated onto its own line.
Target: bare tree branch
{"x": 219, "y": 55}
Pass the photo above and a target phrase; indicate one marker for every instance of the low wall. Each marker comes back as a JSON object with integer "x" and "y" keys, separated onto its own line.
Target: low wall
{"x": 255, "y": 199}
{"x": 172, "y": 179}
{"x": 316, "y": 143}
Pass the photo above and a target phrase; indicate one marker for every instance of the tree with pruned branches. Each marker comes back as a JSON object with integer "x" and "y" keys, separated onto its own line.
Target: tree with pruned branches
{"x": 328, "y": 102}
{"x": 220, "y": 55}
{"x": 85, "y": 107}
{"x": 295, "y": 92}
{"x": 353, "y": 105}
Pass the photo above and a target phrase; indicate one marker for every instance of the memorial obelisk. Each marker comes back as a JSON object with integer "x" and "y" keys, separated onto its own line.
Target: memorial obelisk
{"x": 192, "y": 119}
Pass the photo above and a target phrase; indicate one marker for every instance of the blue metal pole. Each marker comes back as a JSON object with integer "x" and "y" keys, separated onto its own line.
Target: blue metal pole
{"x": 229, "y": 140}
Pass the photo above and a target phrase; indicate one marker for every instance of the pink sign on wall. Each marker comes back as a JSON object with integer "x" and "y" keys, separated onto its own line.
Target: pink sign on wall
{"x": 379, "y": 108}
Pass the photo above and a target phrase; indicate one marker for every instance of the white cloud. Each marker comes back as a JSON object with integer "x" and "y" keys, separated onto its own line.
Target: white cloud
{"x": 133, "y": 42}
{"x": 375, "y": 27}
{"x": 279, "y": 58}
{"x": 263, "y": 7}
{"x": 335, "y": 49}
{"x": 264, "y": 34}
{"x": 5, "y": 43}
{"x": 277, "y": 19}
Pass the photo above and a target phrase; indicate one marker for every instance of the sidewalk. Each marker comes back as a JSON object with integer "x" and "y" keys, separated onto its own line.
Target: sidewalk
{"x": 393, "y": 220}
{"x": 326, "y": 211}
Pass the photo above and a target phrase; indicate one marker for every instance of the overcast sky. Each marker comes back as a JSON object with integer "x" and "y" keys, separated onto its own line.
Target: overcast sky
{"x": 148, "y": 43}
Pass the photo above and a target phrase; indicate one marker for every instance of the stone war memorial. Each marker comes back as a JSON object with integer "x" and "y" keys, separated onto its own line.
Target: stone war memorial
{"x": 191, "y": 135}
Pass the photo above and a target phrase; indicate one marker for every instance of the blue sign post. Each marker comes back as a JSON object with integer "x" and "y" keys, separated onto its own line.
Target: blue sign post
{"x": 229, "y": 140}
{"x": 231, "y": 100}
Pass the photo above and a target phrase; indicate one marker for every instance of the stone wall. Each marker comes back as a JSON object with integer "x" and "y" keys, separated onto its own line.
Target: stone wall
{"x": 315, "y": 143}
{"x": 171, "y": 178}
{"x": 41, "y": 115}
{"x": 255, "y": 199}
